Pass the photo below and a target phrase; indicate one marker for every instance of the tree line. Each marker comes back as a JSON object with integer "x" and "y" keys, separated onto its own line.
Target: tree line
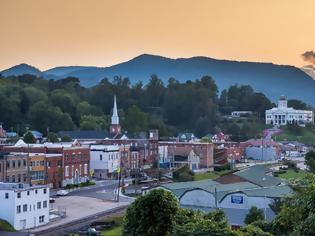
{"x": 194, "y": 106}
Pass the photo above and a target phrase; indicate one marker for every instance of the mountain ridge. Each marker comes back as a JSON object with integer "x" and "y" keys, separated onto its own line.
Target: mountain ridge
{"x": 268, "y": 78}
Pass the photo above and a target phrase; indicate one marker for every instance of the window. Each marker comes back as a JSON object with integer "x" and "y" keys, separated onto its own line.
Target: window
{"x": 73, "y": 156}
{"x": 67, "y": 171}
{"x": 39, "y": 205}
{"x": 28, "y": 193}
{"x": 41, "y": 219}
{"x": 24, "y": 177}
{"x": 35, "y": 191}
{"x": 19, "y": 163}
{"x": 6, "y": 195}
{"x": 13, "y": 178}
{"x": 79, "y": 156}
{"x": 101, "y": 157}
{"x": 67, "y": 156}
{"x": 18, "y": 195}
{"x": 45, "y": 190}
{"x": 19, "y": 178}
{"x": 85, "y": 169}
{"x": 18, "y": 209}
{"x": 13, "y": 164}
{"x": 59, "y": 163}
{"x": 44, "y": 204}
{"x": 24, "y": 162}
{"x": 24, "y": 207}
{"x": 8, "y": 164}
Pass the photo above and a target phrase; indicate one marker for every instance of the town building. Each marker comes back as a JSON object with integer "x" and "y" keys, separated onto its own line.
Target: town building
{"x": 283, "y": 115}
{"x": 262, "y": 149}
{"x": 54, "y": 170}
{"x": 24, "y": 206}
{"x": 105, "y": 161}
{"x": 37, "y": 168}
{"x": 204, "y": 151}
{"x": 3, "y": 135}
{"x": 241, "y": 113}
{"x": 15, "y": 168}
{"x": 75, "y": 159}
{"x": 234, "y": 194}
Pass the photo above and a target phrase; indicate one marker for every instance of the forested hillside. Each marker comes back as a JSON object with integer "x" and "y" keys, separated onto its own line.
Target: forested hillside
{"x": 193, "y": 106}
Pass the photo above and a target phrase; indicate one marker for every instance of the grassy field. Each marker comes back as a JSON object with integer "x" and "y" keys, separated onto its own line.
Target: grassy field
{"x": 210, "y": 175}
{"x": 303, "y": 135}
{"x": 291, "y": 174}
{"x": 5, "y": 226}
{"x": 117, "y": 229}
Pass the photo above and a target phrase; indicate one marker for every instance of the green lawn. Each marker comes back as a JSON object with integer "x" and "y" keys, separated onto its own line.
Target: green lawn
{"x": 210, "y": 175}
{"x": 5, "y": 226}
{"x": 291, "y": 174}
{"x": 117, "y": 229}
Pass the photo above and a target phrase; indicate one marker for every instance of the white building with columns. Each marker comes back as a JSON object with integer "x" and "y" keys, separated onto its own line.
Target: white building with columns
{"x": 283, "y": 115}
{"x": 24, "y": 206}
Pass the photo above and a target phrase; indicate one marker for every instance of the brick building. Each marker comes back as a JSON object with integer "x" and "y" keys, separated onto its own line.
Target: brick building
{"x": 167, "y": 151}
{"x": 75, "y": 161}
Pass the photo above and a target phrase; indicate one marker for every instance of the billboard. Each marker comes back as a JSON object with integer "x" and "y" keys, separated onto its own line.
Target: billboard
{"x": 237, "y": 199}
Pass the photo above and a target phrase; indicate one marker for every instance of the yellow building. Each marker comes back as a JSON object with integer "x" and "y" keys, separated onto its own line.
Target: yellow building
{"x": 37, "y": 168}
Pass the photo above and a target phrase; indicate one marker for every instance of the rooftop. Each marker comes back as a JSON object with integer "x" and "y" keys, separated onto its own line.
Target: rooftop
{"x": 19, "y": 186}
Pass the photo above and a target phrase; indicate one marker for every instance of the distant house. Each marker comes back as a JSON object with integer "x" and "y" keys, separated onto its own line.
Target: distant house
{"x": 37, "y": 135}
{"x": 220, "y": 137}
{"x": 3, "y": 134}
{"x": 241, "y": 113}
{"x": 186, "y": 137}
{"x": 186, "y": 156}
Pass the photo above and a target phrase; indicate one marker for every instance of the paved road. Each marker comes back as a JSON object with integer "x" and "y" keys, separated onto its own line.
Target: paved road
{"x": 104, "y": 190}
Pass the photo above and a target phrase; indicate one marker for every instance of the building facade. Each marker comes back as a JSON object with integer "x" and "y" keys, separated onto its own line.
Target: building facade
{"x": 24, "y": 206}
{"x": 167, "y": 152}
{"x": 105, "y": 161}
{"x": 283, "y": 115}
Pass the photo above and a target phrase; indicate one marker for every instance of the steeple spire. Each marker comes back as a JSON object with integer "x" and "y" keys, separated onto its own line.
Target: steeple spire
{"x": 115, "y": 118}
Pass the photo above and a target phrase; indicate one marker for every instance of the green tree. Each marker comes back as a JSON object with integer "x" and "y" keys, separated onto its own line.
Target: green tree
{"x": 152, "y": 214}
{"x": 136, "y": 120}
{"x": 297, "y": 215}
{"x": 310, "y": 160}
{"x": 66, "y": 139}
{"x": 52, "y": 137}
{"x": 253, "y": 215}
{"x": 90, "y": 122}
{"x": 29, "y": 137}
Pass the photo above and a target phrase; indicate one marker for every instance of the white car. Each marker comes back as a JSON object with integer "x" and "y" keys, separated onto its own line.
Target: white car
{"x": 62, "y": 192}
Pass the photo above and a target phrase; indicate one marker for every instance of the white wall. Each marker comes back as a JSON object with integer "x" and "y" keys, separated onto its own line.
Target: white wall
{"x": 106, "y": 157}
{"x": 248, "y": 202}
{"x": 29, "y": 218}
{"x": 198, "y": 197}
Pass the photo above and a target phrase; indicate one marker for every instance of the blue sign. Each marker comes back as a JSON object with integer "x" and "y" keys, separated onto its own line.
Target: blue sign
{"x": 237, "y": 199}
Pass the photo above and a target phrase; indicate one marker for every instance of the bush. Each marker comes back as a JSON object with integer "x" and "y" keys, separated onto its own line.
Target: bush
{"x": 222, "y": 168}
{"x": 291, "y": 165}
{"x": 183, "y": 174}
{"x": 253, "y": 215}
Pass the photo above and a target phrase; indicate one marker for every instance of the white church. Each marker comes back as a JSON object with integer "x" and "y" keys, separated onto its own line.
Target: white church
{"x": 283, "y": 115}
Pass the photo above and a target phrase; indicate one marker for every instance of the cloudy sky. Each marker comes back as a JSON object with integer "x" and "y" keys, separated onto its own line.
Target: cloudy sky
{"x": 47, "y": 33}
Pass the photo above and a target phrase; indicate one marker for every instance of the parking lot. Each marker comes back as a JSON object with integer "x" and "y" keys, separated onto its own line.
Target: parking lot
{"x": 78, "y": 207}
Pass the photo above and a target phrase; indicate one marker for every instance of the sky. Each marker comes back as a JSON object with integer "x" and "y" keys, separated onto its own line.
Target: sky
{"x": 48, "y": 33}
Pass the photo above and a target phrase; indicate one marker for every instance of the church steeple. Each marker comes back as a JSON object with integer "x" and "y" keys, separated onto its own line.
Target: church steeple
{"x": 115, "y": 127}
{"x": 115, "y": 117}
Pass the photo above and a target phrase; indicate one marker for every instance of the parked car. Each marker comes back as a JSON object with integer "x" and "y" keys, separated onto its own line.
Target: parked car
{"x": 51, "y": 200}
{"x": 62, "y": 192}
